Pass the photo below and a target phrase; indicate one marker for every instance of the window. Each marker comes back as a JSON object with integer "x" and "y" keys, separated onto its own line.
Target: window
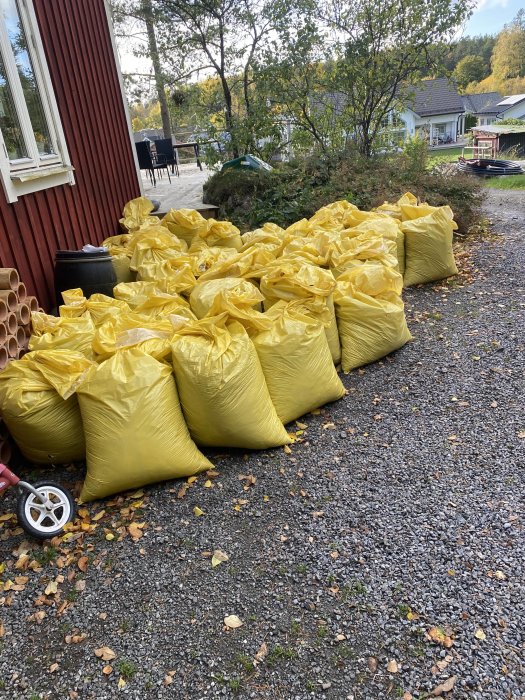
{"x": 33, "y": 153}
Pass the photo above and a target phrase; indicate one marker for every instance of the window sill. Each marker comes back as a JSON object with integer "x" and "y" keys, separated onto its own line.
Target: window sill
{"x": 19, "y": 184}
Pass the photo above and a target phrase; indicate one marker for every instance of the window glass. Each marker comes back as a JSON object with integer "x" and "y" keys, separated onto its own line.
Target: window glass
{"x": 9, "y": 123}
{"x": 18, "y": 41}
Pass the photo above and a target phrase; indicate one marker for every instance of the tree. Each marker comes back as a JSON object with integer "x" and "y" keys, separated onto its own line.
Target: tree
{"x": 384, "y": 49}
{"x": 508, "y": 57}
{"x": 469, "y": 70}
{"x": 225, "y": 38}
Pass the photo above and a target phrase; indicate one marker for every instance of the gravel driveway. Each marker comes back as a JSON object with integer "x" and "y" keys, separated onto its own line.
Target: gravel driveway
{"x": 383, "y": 558}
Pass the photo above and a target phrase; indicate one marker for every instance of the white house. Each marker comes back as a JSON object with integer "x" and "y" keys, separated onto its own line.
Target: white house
{"x": 435, "y": 112}
{"x": 510, "y": 107}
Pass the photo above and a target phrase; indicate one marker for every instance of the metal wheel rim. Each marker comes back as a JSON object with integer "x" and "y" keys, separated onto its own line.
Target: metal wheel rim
{"x": 42, "y": 519}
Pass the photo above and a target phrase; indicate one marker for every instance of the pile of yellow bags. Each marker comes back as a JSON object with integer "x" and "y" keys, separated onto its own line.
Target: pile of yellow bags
{"x": 215, "y": 338}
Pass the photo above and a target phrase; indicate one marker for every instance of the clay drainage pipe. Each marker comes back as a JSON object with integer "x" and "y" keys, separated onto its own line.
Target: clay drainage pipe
{"x": 3, "y": 311}
{"x": 11, "y": 323}
{"x": 12, "y": 346}
{"x": 23, "y": 314}
{"x": 9, "y": 297}
{"x": 4, "y": 357}
{"x": 22, "y": 292}
{"x": 3, "y": 333}
{"x": 9, "y": 278}
{"x": 32, "y": 302}
{"x": 21, "y": 338}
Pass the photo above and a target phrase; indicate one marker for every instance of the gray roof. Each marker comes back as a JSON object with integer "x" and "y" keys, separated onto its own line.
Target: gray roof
{"x": 475, "y": 104}
{"x": 437, "y": 96}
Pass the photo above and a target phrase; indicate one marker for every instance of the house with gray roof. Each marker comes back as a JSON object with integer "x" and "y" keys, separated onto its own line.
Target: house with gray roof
{"x": 490, "y": 107}
{"x": 434, "y": 112}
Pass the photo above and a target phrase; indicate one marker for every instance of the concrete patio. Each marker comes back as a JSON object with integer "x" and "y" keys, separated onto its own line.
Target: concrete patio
{"x": 184, "y": 191}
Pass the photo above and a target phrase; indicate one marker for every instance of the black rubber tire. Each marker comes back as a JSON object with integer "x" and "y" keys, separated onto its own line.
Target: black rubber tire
{"x": 30, "y": 527}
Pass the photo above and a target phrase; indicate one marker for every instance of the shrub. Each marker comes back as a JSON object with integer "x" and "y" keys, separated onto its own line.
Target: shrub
{"x": 295, "y": 190}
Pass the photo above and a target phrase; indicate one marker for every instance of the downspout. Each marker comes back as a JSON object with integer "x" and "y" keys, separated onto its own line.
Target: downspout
{"x": 123, "y": 94}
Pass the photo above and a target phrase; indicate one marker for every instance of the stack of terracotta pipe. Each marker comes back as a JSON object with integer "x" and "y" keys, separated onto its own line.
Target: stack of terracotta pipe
{"x": 15, "y": 316}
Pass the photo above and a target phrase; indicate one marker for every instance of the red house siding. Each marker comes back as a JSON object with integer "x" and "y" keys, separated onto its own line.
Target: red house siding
{"x": 81, "y": 62}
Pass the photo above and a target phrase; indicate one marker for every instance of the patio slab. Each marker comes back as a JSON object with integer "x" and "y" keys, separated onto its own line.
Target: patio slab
{"x": 184, "y": 191}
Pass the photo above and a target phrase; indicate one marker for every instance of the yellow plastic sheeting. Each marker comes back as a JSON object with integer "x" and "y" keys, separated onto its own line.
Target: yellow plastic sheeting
{"x": 52, "y": 333}
{"x": 75, "y": 304}
{"x": 355, "y": 217}
{"x": 99, "y": 307}
{"x": 222, "y": 234}
{"x": 178, "y": 273}
{"x": 370, "y": 314}
{"x": 332, "y": 216}
{"x": 118, "y": 245}
{"x": 136, "y": 213}
{"x": 134, "y": 428}
{"x": 152, "y": 336}
{"x": 428, "y": 247}
{"x": 239, "y": 292}
{"x": 39, "y": 407}
{"x": 222, "y": 387}
{"x": 315, "y": 249}
{"x": 186, "y": 224}
{"x": 136, "y": 293}
{"x": 204, "y": 257}
{"x": 296, "y": 362}
{"x": 393, "y": 209}
{"x": 154, "y": 245}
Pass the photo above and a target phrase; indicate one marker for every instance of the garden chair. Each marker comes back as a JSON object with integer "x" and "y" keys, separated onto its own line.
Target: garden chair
{"x": 166, "y": 154}
{"x": 146, "y": 161}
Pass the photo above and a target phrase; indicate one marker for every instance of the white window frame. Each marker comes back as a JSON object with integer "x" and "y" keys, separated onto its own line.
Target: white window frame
{"x": 37, "y": 172}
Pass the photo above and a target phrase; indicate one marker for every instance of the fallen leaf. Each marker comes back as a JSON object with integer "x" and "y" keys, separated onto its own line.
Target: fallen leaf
{"x": 137, "y": 494}
{"x": 51, "y": 588}
{"x": 80, "y": 585}
{"x": 192, "y": 479}
{"x": 208, "y": 484}
{"x": 121, "y": 683}
{"x": 102, "y": 616}
{"x": 218, "y": 557}
{"x": 521, "y": 434}
{"x": 107, "y": 670}
{"x": 197, "y": 511}
{"x": 105, "y": 653}
{"x": 479, "y": 634}
{"x": 438, "y": 636}
{"x": 372, "y": 664}
{"x": 392, "y": 666}
{"x": 99, "y": 515}
{"x": 83, "y": 564}
{"x": 411, "y": 615}
{"x": 168, "y": 680}
{"x": 110, "y": 536}
{"x": 135, "y": 530}
{"x": 407, "y": 696}
{"x": 53, "y": 667}
{"x": 287, "y": 450}
{"x": 329, "y": 426}
{"x": 497, "y": 574}
{"x": 182, "y": 491}
{"x": 261, "y": 653}
{"x": 444, "y": 687}
{"x": 301, "y": 426}
{"x": 232, "y": 621}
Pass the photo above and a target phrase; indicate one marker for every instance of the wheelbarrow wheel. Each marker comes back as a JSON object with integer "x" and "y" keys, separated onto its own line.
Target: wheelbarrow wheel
{"x": 39, "y": 521}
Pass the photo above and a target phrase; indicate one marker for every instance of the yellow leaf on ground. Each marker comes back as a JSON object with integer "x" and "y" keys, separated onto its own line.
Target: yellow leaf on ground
{"x": 218, "y": 557}
{"x": 99, "y": 515}
{"x": 208, "y": 484}
{"x": 135, "y": 530}
{"x": 392, "y": 666}
{"x": 121, "y": 683}
{"x": 53, "y": 667}
{"x": 301, "y": 426}
{"x": 287, "y": 450}
{"x": 110, "y": 536}
{"x": 192, "y": 479}
{"x": 137, "y": 494}
{"x": 232, "y": 621}
{"x": 197, "y": 511}
{"x": 262, "y": 653}
{"x": 479, "y": 634}
{"x": 51, "y": 588}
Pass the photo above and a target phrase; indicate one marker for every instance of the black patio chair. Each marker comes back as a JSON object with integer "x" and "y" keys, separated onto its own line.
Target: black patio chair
{"x": 146, "y": 161}
{"x": 166, "y": 154}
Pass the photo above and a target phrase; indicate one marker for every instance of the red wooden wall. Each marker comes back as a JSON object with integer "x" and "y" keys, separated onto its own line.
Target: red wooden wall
{"x": 81, "y": 62}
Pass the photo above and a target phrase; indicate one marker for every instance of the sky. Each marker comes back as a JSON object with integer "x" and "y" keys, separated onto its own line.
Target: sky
{"x": 491, "y": 15}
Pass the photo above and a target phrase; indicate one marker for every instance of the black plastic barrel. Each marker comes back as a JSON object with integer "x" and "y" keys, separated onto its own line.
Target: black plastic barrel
{"x": 92, "y": 272}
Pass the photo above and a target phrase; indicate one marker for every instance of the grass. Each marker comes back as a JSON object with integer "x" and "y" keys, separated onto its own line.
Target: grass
{"x": 507, "y": 182}
{"x": 127, "y": 669}
{"x": 445, "y": 155}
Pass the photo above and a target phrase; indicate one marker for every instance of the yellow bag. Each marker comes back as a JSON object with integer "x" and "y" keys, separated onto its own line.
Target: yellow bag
{"x": 151, "y": 336}
{"x": 332, "y": 216}
{"x": 291, "y": 279}
{"x": 99, "y": 307}
{"x": 134, "y": 428}
{"x": 369, "y": 245}
{"x": 154, "y": 245}
{"x": 296, "y": 362}
{"x": 205, "y": 257}
{"x": 250, "y": 264}
{"x": 162, "y": 306}
{"x": 118, "y": 245}
{"x": 241, "y": 293}
{"x": 178, "y": 274}
{"x": 262, "y": 239}
{"x": 222, "y": 388}
{"x": 39, "y": 408}
{"x": 75, "y": 304}
{"x": 136, "y": 293}
{"x": 394, "y": 209}
{"x": 122, "y": 269}
{"x": 370, "y": 314}
{"x": 222, "y": 234}
{"x": 52, "y": 333}
{"x": 186, "y": 224}
{"x": 428, "y": 247}
{"x": 315, "y": 249}
{"x": 136, "y": 214}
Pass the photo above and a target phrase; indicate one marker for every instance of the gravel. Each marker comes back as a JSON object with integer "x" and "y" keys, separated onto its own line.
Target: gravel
{"x": 401, "y": 511}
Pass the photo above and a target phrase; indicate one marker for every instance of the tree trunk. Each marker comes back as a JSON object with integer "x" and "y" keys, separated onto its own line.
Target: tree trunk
{"x": 157, "y": 71}
{"x": 228, "y": 115}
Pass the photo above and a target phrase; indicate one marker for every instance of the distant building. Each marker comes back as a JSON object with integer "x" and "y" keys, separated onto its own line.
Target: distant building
{"x": 500, "y": 139}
